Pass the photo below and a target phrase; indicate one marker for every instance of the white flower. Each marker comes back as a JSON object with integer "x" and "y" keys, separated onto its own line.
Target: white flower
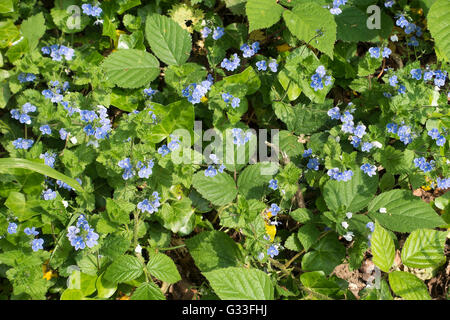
{"x": 344, "y": 224}
{"x": 394, "y": 38}
{"x": 73, "y": 140}
{"x": 383, "y": 210}
{"x": 348, "y": 236}
{"x": 349, "y": 215}
{"x": 376, "y": 144}
{"x": 138, "y": 249}
{"x": 65, "y": 203}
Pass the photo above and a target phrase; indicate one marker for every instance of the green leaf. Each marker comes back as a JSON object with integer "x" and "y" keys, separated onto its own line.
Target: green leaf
{"x": 6, "y": 164}
{"x": 6, "y": 6}
{"x": 105, "y": 288}
{"x": 131, "y": 68}
{"x": 178, "y": 217}
{"x": 114, "y": 246}
{"x": 327, "y": 254}
{"x": 163, "y": 268}
{"x": 33, "y": 29}
{"x": 148, "y": 291}
{"x": 214, "y": 249}
{"x": 405, "y": 212}
{"x": 351, "y": 195}
{"x": 168, "y": 41}
{"x": 317, "y": 282}
{"x": 304, "y": 21}
{"x": 439, "y": 27}
{"x": 424, "y": 248}
{"x": 383, "y": 248}
{"x": 308, "y": 235}
{"x": 124, "y": 268}
{"x": 219, "y": 189}
{"x": 262, "y": 13}
{"x": 408, "y": 286}
{"x": 240, "y": 284}
{"x": 253, "y": 181}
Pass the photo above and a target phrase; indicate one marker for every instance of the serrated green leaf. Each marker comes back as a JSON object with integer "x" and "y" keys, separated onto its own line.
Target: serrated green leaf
{"x": 439, "y": 26}
{"x": 168, "y": 41}
{"x": 306, "y": 19}
{"x": 124, "y": 268}
{"x": 253, "y": 180}
{"x": 219, "y": 189}
{"x": 405, "y": 212}
{"x": 262, "y": 13}
{"x": 163, "y": 268}
{"x": 131, "y": 68}
{"x": 214, "y": 249}
{"x": 383, "y": 248}
{"x": 148, "y": 291}
{"x": 33, "y": 29}
{"x": 424, "y": 248}
{"x": 240, "y": 284}
{"x": 408, "y": 286}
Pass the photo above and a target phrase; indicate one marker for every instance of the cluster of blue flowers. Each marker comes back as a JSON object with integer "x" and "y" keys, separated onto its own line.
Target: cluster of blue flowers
{"x": 439, "y": 76}
{"x": 196, "y": 91}
{"x": 443, "y": 183}
{"x": 55, "y": 94}
{"x": 409, "y": 29}
{"x": 273, "y": 251}
{"x": 320, "y": 79}
{"x": 150, "y": 205}
{"x": 423, "y": 165}
{"x": 12, "y": 228}
{"x": 369, "y": 169}
{"x": 239, "y": 137}
{"x": 227, "y": 98}
{"x": 212, "y": 170}
{"x": 404, "y": 132}
{"x": 231, "y": 65}
{"x": 36, "y": 244}
{"x": 26, "y": 77}
{"x": 145, "y": 170}
{"x": 21, "y": 143}
{"x": 313, "y": 163}
{"x": 49, "y": 194}
{"x": 335, "y": 9}
{"x": 435, "y": 135}
{"x": 393, "y": 81}
{"x": 57, "y": 51}
{"x": 22, "y": 115}
{"x": 335, "y": 174}
{"x": 90, "y": 10}
{"x": 49, "y": 158}
{"x": 250, "y": 51}
{"x": 171, "y": 146}
{"x": 99, "y": 129}
{"x": 64, "y": 185}
{"x": 262, "y": 65}
{"x": 82, "y": 235}
{"x": 375, "y": 52}
{"x": 217, "y": 33}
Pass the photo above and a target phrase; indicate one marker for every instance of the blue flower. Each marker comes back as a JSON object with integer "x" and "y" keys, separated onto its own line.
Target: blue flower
{"x": 393, "y": 81}
{"x": 218, "y": 33}
{"x": 428, "y": 75}
{"x": 347, "y": 127}
{"x": 82, "y": 235}
{"x": 272, "y": 251}
{"x": 434, "y": 133}
{"x": 307, "y": 153}
{"x": 440, "y": 77}
{"x": 360, "y": 130}
{"x": 273, "y": 65}
{"x": 45, "y": 129}
{"x": 389, "y": 3}
{"x": 145, "y": 171}
{"x": 49, "y": 158}
{"x": 401, "y": 21}
{"x": 239, "y": 138}
{"x": 416, "y": 74}
{"x": 163, "y": 150}
{"x": 401, "y": 89}
{"x": 49, "y": 194}
{"x": 273, "y": 184}
{"x": 366, "y": 146}
{"x": 235, "y": 102}
{"x": 355, "y": 141}
{"x": 410, "y": 28}
{"x": 31, "y": 231}
{"x": 440, "y": 141}
{"x": 261, "y": 65}
{"x": 12, "y": 228}
{"x": 36, "y": 244}
{"x": 369, "y": 169}
{"x": 423, "y": 165}
{"x": 334, "y": 113}
{"x": 321, "y": 71}
{"x": 413, "y": 42}
{"x": 335, "y": 174}
{"x": 443, "y": 183}
{"x": 63, "y": 134}
{"x": 150, "y": 92}
{"x": 205, "y": 32}
{"x": 386, "y": 52}
{"x": 211, "y": 171}
{"x": 313, "y": 164}
{"x": 249, "y": 51}
{"x": 371, "y": 226}
{"x": 374, "y": 52}
{"x": 150, "y": 206}
{"x": 226, "y": 97}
